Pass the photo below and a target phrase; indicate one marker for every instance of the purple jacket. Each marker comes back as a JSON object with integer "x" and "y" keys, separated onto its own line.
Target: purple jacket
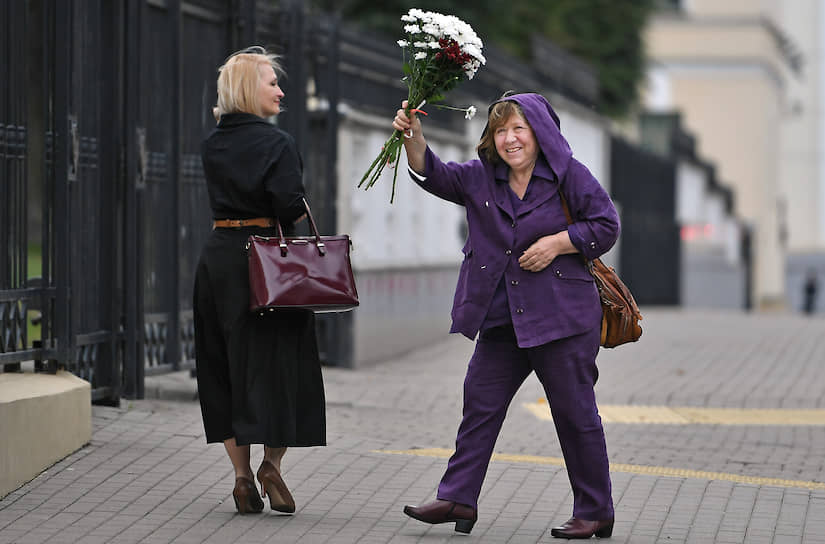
{"x": 562, "y": 299}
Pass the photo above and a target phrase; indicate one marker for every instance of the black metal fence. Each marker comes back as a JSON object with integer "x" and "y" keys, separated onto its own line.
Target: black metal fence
{"x": 103, "y": 207}
{"x": 101, "y": 177}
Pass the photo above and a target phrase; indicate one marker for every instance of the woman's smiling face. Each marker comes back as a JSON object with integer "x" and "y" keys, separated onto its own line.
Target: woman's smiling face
{"x": 269, "y": 92}
{"x": 516, "y": 143}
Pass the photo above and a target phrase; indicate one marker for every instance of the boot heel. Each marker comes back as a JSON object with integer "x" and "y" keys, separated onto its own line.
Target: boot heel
{"x": 464, "y": 526}
{"x": 605, "y": 532}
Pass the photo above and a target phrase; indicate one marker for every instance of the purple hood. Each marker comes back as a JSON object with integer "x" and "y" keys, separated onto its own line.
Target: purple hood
{"x": 545, "y": 123}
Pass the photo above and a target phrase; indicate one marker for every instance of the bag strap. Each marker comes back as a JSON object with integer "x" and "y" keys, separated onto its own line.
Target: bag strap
{"x": 564, "y": 207}
{"x": 313, "y": 230}
{"x": 587, "y": 264}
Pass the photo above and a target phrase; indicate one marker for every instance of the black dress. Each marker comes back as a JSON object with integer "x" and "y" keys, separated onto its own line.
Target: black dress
{"x": 259, "y": 377}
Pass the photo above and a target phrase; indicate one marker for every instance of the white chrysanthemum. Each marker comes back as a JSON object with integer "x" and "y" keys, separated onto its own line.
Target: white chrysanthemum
{"x": 415, "y": 13}
{"x": 475, "y": 52}
{"x": 402, "y": 43}
{"x": 408, "y": 18}
{"x": 471, "y": 68}
{"x": 421, "y": 45}
{"x": 434, "y": 45}
{"x": 431, "y": 29}
{"x": 412, "y": 29}
{"x": 420, "y": 55}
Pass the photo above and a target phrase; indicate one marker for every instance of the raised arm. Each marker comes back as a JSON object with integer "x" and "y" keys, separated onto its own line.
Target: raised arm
{"x": 414, "y": 143}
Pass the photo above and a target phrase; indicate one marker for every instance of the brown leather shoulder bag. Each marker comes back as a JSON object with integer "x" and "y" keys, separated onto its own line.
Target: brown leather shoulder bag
{"x": 620, "y": 314}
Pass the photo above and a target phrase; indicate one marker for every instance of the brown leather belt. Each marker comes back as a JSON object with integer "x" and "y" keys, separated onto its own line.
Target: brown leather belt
{"x": 236, "y": 223}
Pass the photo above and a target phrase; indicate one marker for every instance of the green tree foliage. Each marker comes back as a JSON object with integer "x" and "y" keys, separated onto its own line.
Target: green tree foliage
{"x": 604, "y": 33}
{"x": 608, "y": 35}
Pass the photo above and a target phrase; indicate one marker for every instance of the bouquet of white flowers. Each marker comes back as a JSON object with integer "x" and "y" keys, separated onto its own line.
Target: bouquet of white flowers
{"x": 438, "y": 52}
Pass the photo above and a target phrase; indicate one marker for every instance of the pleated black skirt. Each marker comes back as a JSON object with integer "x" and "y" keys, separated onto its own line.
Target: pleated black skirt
{"x": 259, "y": 377}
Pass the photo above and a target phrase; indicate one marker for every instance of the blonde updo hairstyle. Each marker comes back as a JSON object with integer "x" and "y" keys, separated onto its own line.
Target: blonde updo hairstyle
{"x": 238, "y": 81}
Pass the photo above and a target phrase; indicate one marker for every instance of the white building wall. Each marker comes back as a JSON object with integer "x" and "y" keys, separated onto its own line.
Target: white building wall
{"x": 417, "y": 229}
{"x": 406, "y": 254}
{"x": 712, "y": 273}
{"x": 802, "y": 130}
{"x": 690, "y": 186}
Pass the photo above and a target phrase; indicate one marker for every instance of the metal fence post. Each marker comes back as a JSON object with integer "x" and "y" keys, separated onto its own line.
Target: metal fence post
{"x": 135, "y": 141}
{"x": 173, "y": 325}
{"x": 62, "y": 148}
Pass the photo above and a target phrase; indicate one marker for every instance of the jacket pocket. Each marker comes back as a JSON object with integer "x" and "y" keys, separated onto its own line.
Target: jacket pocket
{"x": 570, "y": 267}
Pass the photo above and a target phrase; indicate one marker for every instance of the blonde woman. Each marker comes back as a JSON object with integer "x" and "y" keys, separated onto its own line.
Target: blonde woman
{"x": 259, "y": 377}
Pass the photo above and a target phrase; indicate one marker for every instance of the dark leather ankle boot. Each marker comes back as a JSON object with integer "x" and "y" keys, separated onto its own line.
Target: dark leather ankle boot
{"x": 440, "y": 511}
{"x": 581, "y": 528}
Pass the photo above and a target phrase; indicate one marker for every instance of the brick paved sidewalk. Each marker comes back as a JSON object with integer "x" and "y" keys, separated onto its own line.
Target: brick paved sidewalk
{"x": 148, "y": 476}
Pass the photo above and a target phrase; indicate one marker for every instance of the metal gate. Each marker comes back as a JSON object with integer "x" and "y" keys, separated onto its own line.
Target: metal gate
{"x": 100, "y": 126}
{"x": 59, "y": 189}
{"x": 172, "y": 51}
{"x": 643, "y": 186}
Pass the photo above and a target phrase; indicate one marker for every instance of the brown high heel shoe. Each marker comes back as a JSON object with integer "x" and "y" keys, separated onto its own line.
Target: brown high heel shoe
{"x": 246, "y": 496}
{"x": 441, "y": 511}
{"x": 280, "y": 499}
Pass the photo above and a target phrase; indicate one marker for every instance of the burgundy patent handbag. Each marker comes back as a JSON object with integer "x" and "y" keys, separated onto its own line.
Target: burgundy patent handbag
{"x": 310, "y": 272}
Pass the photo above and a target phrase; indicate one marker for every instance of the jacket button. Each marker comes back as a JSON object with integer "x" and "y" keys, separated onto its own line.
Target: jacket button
{"x": 592, "y": 245}
{"x": 508, "y": 252}
{"x": 520, "y": 311}
{"x": 558, "y": 273}
{"x": 513, "y": 224}
{"x": 514, "y": 282}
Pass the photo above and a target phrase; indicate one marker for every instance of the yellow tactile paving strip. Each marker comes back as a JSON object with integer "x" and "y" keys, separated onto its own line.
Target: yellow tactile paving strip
{"x": 693, "y": 415}
{"x": 633, "y": 469}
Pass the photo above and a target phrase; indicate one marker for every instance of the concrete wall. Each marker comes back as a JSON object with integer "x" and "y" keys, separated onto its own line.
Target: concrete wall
{"x": 709, "y": 280}
{"x": 405, "y": 255}
{"x": 712, "y": 271}
{"x": 401, "y": 310}
{"x": 43, "y": 418}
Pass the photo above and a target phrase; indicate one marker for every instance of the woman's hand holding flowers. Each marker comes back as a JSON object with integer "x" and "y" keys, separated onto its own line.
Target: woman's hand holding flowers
{"x": 414, "y": 142}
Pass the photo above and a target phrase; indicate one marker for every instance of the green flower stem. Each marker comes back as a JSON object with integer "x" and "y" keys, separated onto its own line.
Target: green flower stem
{"x": 374, "y": 171}
{"x": 390, "y": 154}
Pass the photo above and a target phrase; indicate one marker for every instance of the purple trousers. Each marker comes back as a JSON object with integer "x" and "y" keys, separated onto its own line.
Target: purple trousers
{"x": 567, "y": 370}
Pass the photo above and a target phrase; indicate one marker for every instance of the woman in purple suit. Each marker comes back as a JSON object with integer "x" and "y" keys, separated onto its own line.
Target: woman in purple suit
{"x": 524, "y": 290}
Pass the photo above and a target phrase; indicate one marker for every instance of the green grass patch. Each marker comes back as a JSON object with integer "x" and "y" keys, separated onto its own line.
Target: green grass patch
{"x": 34, "y": 269}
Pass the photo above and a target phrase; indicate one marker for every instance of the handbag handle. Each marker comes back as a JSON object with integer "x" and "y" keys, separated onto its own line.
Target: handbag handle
{"x": 313, "y": 228}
